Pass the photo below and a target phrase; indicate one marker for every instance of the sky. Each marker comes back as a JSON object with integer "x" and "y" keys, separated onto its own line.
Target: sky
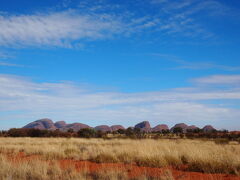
{"x": 120, "y": 62}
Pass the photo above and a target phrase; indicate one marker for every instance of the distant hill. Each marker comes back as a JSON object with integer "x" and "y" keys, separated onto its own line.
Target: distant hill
{"x": 192, "y": 127}
{"x": 60, "y": 124}
{"x": 48, "y": 124}
{"x": 183, "y": 126}
{"x": 144, "y": 126}
{"x": 160, "y": 127}
{"x": 103, "y": 128}
{"x": 74, "y": 126}
{"x": 41, "y": 124}
{"x": 208, "y": 128}
{"x": 117, "y": 127}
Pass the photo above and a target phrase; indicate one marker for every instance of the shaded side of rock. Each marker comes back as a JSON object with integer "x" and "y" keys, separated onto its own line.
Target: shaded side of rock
{"x": 60, "y": 124}
{"x": 144, "y": 126}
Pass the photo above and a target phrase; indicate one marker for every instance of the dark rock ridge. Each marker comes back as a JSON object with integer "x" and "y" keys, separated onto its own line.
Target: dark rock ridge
{"x": 144, "y": 126}
{"x": 160, "y": 127}
{"x": 48, "y": 124}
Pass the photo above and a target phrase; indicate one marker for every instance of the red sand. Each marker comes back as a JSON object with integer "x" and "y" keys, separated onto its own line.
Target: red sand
{"x": 136, "y": 171}
{"x": 133, "y": 171}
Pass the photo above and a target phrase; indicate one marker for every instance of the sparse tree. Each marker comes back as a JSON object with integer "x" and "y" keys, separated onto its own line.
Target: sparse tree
{"x": 87, "y": 133}
{"x": 177, "y": 130}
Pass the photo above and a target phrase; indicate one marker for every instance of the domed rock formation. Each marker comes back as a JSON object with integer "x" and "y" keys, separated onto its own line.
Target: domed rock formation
{"x": 160, "y": 127}
{"x": 60, "y": 124}
{"x": 47, "y": 124}
{"x": 116, "y": 127}
{"x": 103, "y": 128}
{"x": 75, "y": 126}
{"x": 208, "y": 128}
{"x": 41, "y": 124}
{"x": 192, "y": 127}
{"x": 183, "y": 126}
{"x": 144, "y": 126}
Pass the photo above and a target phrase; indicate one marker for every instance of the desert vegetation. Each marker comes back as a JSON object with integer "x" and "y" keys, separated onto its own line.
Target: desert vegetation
{"x": 133, "y": 133}
{"x": 130, "y": 153}
{"x": 182, "y": 154}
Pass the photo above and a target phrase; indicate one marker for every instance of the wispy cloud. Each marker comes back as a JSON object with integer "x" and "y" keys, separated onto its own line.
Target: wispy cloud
{"x": 189, "y": 7}
{"x": 69, "y": 28}
{"x": 3, "y": 60}
{"x": 73, "y": 102}
{"x": 4, "y": 55}
{"x": 181, "y": 15}
{"x": 95, "y": 21}
{"x": 193, "y": 65}
{"x": 220, "y": 79}
{"x": 10, "y": 64}
{"x": 55, "y": 29}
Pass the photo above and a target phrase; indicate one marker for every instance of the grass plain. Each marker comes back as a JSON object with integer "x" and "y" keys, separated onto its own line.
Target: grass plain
{"x": 190, "y": 155}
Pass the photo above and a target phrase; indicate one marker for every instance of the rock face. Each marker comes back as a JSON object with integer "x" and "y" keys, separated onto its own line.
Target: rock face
{"x": 192, "y": 127}
{"x": 60, "y": 124}
{"x": 144, "y": 126}
{"x": 208, "y": 128}
{"x": 160, "y": 127}
{"x": 47, "y": 124}
{"x": 116, "y": 127}
{"x": 103, "y": 128}
{"x": 180, "y": 125}
{"x": 75, "y": 126}
{"x": 41, "y": 124}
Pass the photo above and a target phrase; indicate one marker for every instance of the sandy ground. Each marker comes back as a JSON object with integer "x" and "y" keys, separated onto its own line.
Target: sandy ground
{"x": 133, "y": 171}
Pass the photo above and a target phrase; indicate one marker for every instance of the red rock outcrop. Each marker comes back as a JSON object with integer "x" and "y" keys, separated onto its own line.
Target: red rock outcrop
{"x": 116, "y": 127}
{"x": 41, "y": 124}
{"x": 103, "y": 128}
{"x": 160, "y": 127}
{"x": 144, "y": 126}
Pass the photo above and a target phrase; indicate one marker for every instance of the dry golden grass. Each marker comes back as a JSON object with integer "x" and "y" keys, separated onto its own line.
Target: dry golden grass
{"x": 37, "y": 169}
{"x": 40, "y": 170}
{"x": 203, "y": 156}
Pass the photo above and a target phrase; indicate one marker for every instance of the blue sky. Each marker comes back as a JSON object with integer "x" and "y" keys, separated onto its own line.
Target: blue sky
{"x": 112, "y": 62}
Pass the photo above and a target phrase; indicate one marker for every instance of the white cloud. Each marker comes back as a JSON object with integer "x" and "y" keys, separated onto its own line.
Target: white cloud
{"x": 100, "y": 21}
{"x": 55, "y": 29}
{"x": 220, "y": 79}
{"x": 68, "y": 101}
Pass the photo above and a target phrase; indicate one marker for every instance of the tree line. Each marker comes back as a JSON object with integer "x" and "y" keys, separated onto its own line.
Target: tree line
{"x": 134, "y": 133}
